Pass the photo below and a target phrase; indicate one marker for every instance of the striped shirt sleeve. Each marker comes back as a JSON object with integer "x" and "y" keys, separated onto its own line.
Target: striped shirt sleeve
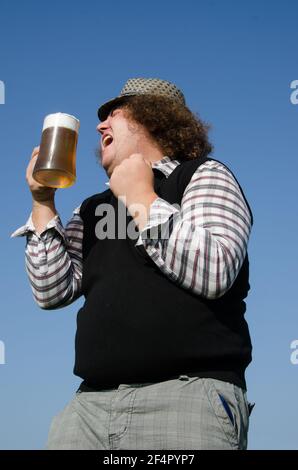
{"x": 202, "y": 244}
{"x": 54, "y": 262}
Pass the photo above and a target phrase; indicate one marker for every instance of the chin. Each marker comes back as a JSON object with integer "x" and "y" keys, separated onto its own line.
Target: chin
{"x": 105, "y": 162}
{"x": 108, "y": 169}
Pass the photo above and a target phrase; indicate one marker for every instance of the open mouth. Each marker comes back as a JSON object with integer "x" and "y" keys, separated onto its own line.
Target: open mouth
{"x": 107, "y": 140}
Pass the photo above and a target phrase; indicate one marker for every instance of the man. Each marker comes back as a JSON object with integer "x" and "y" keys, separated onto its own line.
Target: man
{"x": 161, "y": 258}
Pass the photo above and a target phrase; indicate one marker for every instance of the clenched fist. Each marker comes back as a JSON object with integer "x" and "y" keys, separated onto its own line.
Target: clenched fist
{"x": 132, "y": 181}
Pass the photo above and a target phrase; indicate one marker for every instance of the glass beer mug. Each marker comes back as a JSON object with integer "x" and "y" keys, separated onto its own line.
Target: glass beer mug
{"x": 55, "y": 166}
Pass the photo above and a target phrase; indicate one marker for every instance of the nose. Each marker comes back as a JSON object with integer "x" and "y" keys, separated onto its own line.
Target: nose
{"x": 102, "y": 126}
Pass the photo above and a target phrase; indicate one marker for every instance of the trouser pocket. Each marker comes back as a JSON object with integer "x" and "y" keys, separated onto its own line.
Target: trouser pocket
{"x": 229, "y": 405}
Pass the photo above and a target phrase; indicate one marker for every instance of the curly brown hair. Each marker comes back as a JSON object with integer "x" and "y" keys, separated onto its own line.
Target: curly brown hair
{"x": 178, "y": 132}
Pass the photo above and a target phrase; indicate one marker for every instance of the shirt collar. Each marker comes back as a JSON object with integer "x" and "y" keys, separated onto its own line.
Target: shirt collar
{"x": 166, "y": 165}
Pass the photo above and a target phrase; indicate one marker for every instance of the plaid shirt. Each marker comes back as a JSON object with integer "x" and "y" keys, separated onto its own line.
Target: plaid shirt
{"x": 204, "y": 251}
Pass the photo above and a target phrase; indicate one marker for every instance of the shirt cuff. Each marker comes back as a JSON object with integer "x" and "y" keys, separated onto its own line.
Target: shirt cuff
{"x": 55, "y": 223}
{"x": 159, "y": 223}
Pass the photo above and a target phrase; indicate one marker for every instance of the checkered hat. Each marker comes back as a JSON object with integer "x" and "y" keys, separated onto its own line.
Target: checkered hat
{"x": 142, "y": 86}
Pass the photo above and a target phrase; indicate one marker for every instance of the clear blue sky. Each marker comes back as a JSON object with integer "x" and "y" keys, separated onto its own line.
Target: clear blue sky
{"x": 235, "y": 62}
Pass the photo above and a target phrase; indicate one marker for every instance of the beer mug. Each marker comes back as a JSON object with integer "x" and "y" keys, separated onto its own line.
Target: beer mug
{"x": 55, "y": 166}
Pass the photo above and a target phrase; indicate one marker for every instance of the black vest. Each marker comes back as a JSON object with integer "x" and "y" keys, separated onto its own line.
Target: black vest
{"x": 137, "y": 325}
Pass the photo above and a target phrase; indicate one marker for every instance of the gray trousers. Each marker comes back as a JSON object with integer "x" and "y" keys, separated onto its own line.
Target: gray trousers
{"x": 182, "y": 413}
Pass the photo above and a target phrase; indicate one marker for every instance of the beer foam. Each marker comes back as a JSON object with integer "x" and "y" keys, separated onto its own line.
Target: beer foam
{"x": 61, "y": 120}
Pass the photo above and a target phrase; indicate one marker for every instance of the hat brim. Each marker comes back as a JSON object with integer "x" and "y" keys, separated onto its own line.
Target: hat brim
{"x": 106, "y": 108}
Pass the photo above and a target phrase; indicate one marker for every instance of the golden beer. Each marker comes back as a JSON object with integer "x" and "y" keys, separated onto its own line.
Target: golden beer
{"x": 56, "y": 162}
